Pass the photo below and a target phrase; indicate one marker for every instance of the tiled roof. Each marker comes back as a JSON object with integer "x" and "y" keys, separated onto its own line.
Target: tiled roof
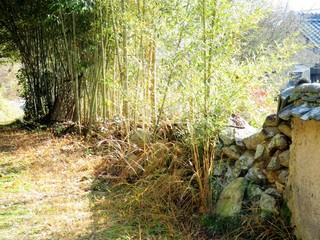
{"x": 310, "y": 27}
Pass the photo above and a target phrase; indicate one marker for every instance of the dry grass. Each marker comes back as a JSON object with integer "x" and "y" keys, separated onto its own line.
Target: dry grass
{"x": 67, "y": 188}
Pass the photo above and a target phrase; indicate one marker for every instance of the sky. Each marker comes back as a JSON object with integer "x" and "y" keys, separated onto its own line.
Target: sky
{"x": 299, "y": 5}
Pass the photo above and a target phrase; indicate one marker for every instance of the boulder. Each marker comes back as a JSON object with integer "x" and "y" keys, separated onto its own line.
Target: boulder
{"x": 252, "y": 141}
{"x": 233, "y": 152}
{"x": 268, "y": 205}
{"x": 255, "y": 175}
{"x": 254, "y": 192}
{"x": 278, "y": 142}
{"x": 242, "y": 133}
{"x": 230, "y": 201}
{"x": 140, "y": 137}
{"x": 227, "y": 136}
{"x": 261, "y": 152}
{"x": 284, "y": 158}
{"x": 243, "y": 163}
{"x": 285, "y": 129}
{"x": 274, "y": 163}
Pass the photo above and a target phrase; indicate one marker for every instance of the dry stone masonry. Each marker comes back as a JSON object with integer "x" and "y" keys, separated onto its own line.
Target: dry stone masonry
{"x": 277, "y": 165}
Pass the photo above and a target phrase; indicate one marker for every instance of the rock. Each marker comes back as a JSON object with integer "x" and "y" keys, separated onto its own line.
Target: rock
{"x": 140, "y": 137}
{"x": 267, "y": 205}
{"x": 242, "y": 133}
{"x": 255, "y": 175}
{"x": 243, "y": 163}
{"x": 271, "y": 121}
{"x": 284, "y": 158}
{"x": 273, "y": 192}
{"x": 254, "y": 192}
{"x": 283, "y": 176}
{"x": 261, "y": 152}
{"x": 227, "y": 136}
{"x": 285, "y": 129}
{"x": 230, "y": 200}
{"x": 252, "y": 141}
{"x": 274, "y": 163}
{"x": 233, "y": 152}
{"x": 308, "y": 88}
{"x": 278, "y": 142}
{"x": 270, "y": 131}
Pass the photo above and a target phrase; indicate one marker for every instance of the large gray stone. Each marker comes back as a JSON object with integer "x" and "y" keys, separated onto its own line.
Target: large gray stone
{"x": 233, "y": 152}
{"x": 230, "y": 200}
{"x": 261, "y": 152}
{"x": 227, "y": 136}
{"x": 244, "y": 163}
{"x": 242, "y": 133}
{"x": 278, "y": 142}
{"x": 274, "y": 163}
{"x": 284, "y": 158}
{"x": 267, "y": 205}
{"x": 255, "y": 175}
{"x": 252, "y": 141}
{"x": 254, "y": 192}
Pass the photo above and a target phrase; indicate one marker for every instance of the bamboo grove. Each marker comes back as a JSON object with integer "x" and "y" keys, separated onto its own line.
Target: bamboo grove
{"x": 92, "y": 60}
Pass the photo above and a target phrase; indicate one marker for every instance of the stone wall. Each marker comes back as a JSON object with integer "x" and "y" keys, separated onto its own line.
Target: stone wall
{"x": 278, "y": 164}
{"x": 257, "y": 159}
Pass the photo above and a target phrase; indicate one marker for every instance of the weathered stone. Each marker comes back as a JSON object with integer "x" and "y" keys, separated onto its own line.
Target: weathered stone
{"x": 314, "y": 113}
{"x": 244, "y": 163}
{"x": 255, "y": 175}
{"x": 270, "y": 131}
{"x": 252, "y": 141}
{"x": 261, "y": 152}
{"x": 284, "y": 158}
{"x": 273, "y": 192}
{"x": 274, "y": 163}
{"x": 227, "y": 136}
{"x": 242, "y": 133}
{"x": 140, "y": 137}
{"x": 283, "y": 176}
{"x": 233, "y": 151}
{"x": 271, "y": 121}
{"x": 278, "y": 142}
{"x": 267, "y": 205}
{"x": 254, "y": 192}
{"x": 285, "y": 129}
{"x": 230, "y": 200}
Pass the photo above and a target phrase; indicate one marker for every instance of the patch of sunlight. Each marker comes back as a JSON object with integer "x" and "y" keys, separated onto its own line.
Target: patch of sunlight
{"x": 10, "y": 111}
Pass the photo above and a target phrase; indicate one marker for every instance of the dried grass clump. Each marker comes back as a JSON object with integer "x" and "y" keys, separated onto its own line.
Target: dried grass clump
{"x": 163, "y": 198}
